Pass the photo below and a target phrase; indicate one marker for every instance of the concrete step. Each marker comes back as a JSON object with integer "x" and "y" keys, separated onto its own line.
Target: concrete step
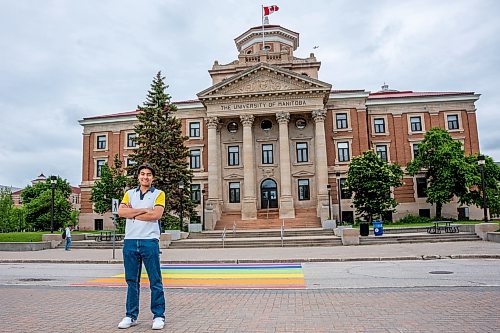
{"x": 257, "y": 242}
{"x": 261, "y": 233}
{"x": 93, "y": 245}
{"x": 391, "y": 239}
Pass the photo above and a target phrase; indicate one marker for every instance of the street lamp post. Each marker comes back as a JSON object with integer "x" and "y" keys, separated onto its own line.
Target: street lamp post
{"x": 481, "y": 162}
{"x": 53, "y": 181}
{"x": 181, "y": 190}
{"x": 339, "y": 197}
{"x": 329, "y": 188}
{"x": 203, "y": 209}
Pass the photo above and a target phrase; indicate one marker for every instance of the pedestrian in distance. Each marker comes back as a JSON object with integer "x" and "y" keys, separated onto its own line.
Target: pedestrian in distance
{"x": 143, "y": 207}
{"x": 68, "y": 238}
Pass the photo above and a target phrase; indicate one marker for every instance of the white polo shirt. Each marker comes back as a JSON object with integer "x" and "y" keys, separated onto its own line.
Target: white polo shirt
{"x": 135, "y": 228}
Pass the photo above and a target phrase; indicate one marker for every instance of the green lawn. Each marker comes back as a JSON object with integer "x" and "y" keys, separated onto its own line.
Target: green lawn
{"x": 23, "y": 236}
{"x": 33, "y": 236}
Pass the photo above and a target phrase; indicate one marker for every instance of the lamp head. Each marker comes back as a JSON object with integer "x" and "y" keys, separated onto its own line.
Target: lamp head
{"x": 53, "y": 179}
{"x": 481, "y": 160}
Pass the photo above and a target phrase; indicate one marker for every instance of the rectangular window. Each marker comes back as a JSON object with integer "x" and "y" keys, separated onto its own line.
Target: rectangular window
{"x": 194, "y": 130}
{"x": 195, "y": 193}
{"x": 130, "y": 162}
{"x": 416, "y": 124}
{"x": 415, "y": 150}
{"x": 341, "y": 119}
{"x": 234, "y": 192}
{"x": 379, "y": 125}
{"x": 304, "y": 193}
{"x": 101, "y": 142}
{"x": 343, "y": 151}
{"x": 98, "y": 224}
{"x": 381, "y": 152}
{"x": 343, "y": 191}
{"x": 131, "y": 140}
{"x": 302, "y": 152}
{"x": 267, "y": 154}
{"x": 421, "y": 188}
{"x": 99, "y": 164}
{"x": 233, "y": 153}
{"x": 195, "y": 159}
{"x": 452, "y": 121}
{"x": 424, "y": 213}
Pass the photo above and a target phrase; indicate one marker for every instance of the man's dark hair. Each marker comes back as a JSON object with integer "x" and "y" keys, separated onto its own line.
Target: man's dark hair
{"x": 146, "y": 166}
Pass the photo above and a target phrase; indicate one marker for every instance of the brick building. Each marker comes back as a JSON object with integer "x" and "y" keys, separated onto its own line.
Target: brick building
{"x": 268, "y": 137}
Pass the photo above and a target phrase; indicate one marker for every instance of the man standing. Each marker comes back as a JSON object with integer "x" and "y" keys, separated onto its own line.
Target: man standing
{"x": 143, "y": 207}
{"x": 68, "y": 238}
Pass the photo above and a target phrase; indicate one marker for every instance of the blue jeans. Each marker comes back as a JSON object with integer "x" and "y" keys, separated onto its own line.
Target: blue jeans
{"x": 136, "y": 252}
{"x": 68, "y": 243}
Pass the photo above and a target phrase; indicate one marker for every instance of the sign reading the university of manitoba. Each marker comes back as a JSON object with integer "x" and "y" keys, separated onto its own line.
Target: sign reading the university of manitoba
{"x": 262, "y": 105}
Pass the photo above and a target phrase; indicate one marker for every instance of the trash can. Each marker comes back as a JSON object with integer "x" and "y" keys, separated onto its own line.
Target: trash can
{"x": 364, "y": 229}
{"x": 378, "y": 230}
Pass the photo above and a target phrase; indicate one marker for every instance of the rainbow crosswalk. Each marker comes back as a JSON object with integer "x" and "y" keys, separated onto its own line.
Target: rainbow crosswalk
{"x": 218, "y": 276}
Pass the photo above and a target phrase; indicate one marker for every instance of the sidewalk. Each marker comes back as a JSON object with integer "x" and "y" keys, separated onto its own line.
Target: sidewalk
{"x": 383, "y": 252}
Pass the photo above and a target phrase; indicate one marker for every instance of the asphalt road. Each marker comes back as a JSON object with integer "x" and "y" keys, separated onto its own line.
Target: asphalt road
{"x": 385, "y": 274}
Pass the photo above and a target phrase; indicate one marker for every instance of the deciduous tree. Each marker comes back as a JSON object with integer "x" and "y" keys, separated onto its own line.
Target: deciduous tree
{"x": 442, "y": 160}
{"x": 371, "y": 180}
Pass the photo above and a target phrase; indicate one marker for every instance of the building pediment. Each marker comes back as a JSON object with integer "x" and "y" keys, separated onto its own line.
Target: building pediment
{"x": 303, "y": 173}
{"x": 264, "y": 80}
{"x": 234, "y": 176}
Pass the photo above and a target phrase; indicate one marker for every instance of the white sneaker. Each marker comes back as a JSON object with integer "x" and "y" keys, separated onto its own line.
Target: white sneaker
{"x": 158, "y": 323}
{"x": 127, "y": 322}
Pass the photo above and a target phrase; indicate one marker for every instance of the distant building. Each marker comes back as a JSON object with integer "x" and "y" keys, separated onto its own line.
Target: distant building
{"x": 74, "y": 198}
{"x": 268, "y": 134}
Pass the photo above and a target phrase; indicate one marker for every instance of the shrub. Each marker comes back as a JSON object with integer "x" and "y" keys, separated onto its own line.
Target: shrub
{"x": 409, "y": 219}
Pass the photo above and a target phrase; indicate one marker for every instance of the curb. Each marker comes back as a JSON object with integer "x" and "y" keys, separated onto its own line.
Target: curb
{"x": 258, "y": 261}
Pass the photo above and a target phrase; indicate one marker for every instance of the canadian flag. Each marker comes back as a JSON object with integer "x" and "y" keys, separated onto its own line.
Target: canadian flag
{"x": 270, "y": 9}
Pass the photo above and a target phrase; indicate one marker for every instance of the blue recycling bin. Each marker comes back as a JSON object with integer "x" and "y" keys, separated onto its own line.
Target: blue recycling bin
{"x": 378, "y": 230}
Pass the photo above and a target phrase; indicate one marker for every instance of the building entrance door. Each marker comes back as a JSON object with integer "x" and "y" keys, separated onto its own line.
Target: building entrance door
{"x": 268, "y": 194}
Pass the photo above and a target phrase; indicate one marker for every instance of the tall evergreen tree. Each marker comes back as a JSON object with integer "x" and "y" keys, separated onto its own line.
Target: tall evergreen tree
{"x": 442, "y": 160}
{"x": 161, "y": 144}
{"x": 371, "y": 180}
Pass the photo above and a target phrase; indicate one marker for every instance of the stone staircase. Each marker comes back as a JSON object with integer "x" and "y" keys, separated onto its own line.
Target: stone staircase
{"x": 304, "y": 218}
{"x": 258, "y": 238}
{"x": 312, "y": 237}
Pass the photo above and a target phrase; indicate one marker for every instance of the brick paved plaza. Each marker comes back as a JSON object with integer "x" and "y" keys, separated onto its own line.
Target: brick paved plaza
{"x": 84, "y": 309}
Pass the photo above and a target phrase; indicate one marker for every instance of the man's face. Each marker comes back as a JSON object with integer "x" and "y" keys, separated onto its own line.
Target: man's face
{"x": 145, "y": 177}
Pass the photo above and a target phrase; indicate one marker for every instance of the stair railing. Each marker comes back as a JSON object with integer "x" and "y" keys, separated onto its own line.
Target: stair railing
{"x": 223, "y": 237}
{"x": 267, "y": 218}
{"x": 282, "y": 234}
{"x": 234, "y": 229}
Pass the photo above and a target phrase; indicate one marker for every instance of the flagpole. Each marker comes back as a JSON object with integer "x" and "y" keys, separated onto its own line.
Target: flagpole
{"x": 262, "y": 27}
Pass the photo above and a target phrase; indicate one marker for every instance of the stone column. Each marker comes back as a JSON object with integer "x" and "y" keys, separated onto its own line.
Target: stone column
{"x": 321, "y": 160}
{"x": 212, "y": 211}
{"x": 249, "y": 204}
{"x": 286, "y": 200}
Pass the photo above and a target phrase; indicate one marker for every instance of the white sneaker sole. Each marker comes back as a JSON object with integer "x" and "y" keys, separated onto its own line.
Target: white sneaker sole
{"x": 125, "y": 327}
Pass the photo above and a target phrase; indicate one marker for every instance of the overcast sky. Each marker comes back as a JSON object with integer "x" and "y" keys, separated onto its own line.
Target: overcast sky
{"x": 62, "y": 61}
